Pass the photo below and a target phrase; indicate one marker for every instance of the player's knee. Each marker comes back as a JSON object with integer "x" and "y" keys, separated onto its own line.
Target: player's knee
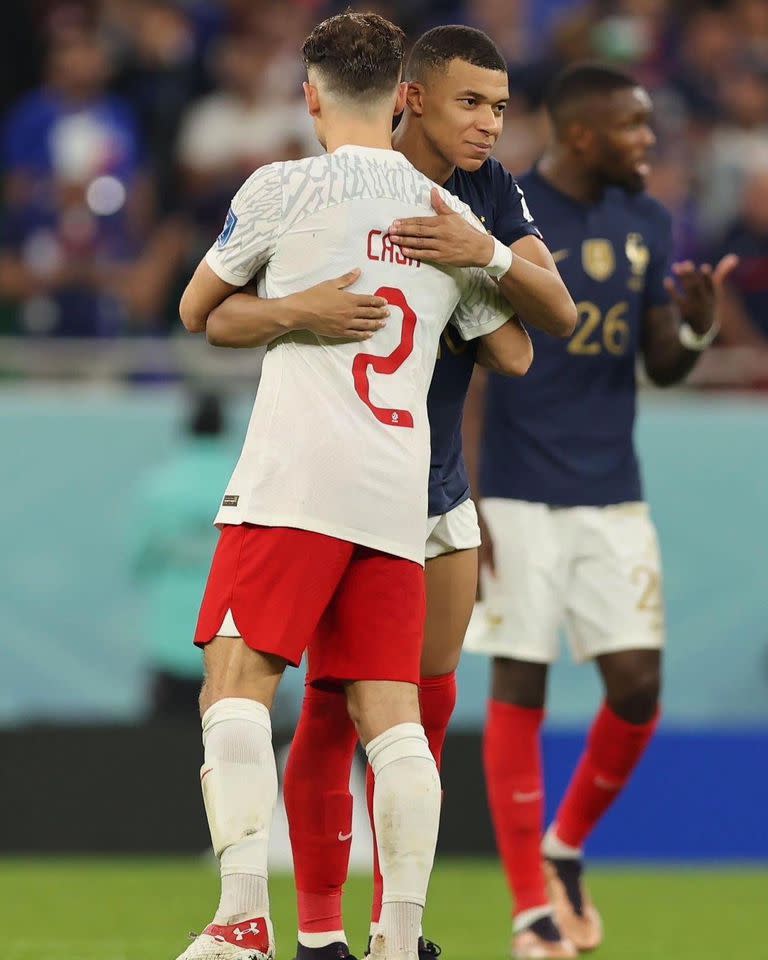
{"x": 375, "y": 706}
{"x": 519, "y": 682}
{"x": 634, "y": 691}
{"x": 204, "y": 700}
{"x": 436, "y": 663}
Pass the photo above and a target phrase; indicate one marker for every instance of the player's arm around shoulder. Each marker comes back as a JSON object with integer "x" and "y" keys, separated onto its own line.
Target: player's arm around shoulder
{"x": 204, "y": 292}
{"x": 525, "y": 271}
{"x": 327, "y": 309}
{"x": 245, "y": 244}
{"x": 221, "y": 299}
{"x": 534, "y": 287}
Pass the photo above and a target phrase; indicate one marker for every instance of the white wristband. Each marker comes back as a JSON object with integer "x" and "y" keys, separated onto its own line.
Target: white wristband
{"x": 697, "y": 341}
{"x": 501, "y": 260}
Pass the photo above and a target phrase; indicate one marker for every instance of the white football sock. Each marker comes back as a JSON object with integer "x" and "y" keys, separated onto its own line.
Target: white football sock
{"x": 524, "y": 920}
{"x": 406, "y": 814}
{"x": 321, "y": 939}
{"x": 239, "y": 781}
{"x": 552, "y": 846}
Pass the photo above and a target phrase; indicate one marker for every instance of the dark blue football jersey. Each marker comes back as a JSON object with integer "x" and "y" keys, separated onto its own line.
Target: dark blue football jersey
{"x": 563, "y": 434}
{"x": 495, "y": 198}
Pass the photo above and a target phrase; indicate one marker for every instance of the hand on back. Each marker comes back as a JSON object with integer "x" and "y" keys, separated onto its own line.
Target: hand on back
{"x": 329, "y": 310}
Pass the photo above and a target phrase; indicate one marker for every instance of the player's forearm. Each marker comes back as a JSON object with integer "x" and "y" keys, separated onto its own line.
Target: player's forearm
{"x": 472, "y": 428}
{"x": 539, "y": 296}
{"x": 669, "y": 365}
{"x": 245, "y": 320}
{"x": 507, "y": 350}
{"x": 666, "y": 360}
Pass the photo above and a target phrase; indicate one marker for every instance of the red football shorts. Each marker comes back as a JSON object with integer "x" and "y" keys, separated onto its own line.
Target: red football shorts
{"x": 361, "y": 610}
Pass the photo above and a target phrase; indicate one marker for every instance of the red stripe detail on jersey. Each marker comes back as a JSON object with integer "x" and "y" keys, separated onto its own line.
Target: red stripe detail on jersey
{"x": 392, "y": 417}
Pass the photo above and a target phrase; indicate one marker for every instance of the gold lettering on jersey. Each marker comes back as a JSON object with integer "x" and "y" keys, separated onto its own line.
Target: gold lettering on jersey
{"x": 651, "y": 600}
{"x": 639, "y": 257}
{"x": 581, "y": 343}
{"x": 598, "y": 259}
{"x": 595, "y": 332}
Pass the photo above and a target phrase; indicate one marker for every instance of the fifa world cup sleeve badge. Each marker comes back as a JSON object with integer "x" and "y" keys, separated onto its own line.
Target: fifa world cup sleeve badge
{"x": 229, "y": 226}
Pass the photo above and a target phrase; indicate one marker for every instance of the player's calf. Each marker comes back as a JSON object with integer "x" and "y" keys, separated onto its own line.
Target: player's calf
{"x": 406, "y": 811}
{"x": 239, "y": 784}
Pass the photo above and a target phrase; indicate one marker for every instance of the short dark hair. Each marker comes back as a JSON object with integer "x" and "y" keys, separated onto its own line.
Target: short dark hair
{"x": 357, "y": 54}
{"x": 436, "y": 48}
{"x": 580, "y": 81}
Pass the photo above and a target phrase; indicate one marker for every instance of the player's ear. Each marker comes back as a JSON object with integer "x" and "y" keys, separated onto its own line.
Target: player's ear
{"x": 402, "y": 93}
{"x": 414, "y": 98}
{"x": 580, "y": 137}
{"x": 312, "y": 99}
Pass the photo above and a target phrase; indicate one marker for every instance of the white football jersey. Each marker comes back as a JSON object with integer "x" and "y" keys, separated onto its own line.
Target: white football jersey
{"x": 338, "y": 441}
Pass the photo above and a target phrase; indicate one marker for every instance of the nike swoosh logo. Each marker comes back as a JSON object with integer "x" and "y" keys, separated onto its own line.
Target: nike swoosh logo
{"x": 519, "y": 797}
{"x": 345, "y": 836}
{"x": 605, "y": 784}
{"x": 559, "y": 255}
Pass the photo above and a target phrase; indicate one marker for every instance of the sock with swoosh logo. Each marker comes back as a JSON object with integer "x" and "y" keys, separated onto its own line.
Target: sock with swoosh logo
{"x": 614, "y": 748}
{"x": 319, "y": 808}
{"x": 513, "y": 776}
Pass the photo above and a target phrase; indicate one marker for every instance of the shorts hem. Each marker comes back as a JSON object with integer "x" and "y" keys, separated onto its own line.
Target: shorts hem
{"x": 622, "y": 647}
{"x": 252, "y": 645}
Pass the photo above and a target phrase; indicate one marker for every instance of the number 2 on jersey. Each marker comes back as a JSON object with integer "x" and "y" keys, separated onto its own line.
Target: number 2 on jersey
{"x": 387, "y": 365}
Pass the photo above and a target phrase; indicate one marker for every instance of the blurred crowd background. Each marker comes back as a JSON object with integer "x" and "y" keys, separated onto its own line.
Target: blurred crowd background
{"x": 129, "y": 124}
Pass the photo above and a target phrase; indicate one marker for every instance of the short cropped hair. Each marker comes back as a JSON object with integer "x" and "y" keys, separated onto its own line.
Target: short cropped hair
{"x": 435, "y": 49}
{"x": 577, "y": 83}
{"x": 357, "y": 55}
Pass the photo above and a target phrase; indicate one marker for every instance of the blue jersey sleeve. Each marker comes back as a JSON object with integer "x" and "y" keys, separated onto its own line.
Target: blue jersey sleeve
{"x": 655, "y": 294}
{"x": 513, "y": 219}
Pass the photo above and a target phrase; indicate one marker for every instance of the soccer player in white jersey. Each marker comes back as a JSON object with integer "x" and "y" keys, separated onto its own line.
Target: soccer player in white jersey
{"x": 458, "y": 88}
{"x": 322, "y": 521}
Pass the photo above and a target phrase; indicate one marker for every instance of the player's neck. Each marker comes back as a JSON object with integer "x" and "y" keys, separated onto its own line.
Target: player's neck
{"x": 409, "y": 140}
{"x": 350, "y": 132}
{"x": 559, "y": 169}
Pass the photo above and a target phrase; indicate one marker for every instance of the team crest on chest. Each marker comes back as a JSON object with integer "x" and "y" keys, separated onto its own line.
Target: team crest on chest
{"x": 639, "y": 256}
{"x": 598, "y": 259}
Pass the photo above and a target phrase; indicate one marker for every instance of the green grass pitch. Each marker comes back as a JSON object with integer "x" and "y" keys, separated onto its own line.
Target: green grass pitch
{"x": 142, "y": 910}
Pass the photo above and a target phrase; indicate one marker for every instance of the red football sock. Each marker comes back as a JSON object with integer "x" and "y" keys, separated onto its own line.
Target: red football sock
{"x": 613, "y": 750}
{"x": 319, "y": 807}
{"x": 513, "y": 776}
{"x": 437, "y": 697}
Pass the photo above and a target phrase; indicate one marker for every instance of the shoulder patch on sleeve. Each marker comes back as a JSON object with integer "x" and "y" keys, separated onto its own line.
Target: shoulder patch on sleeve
{"x": 229, "y": 225}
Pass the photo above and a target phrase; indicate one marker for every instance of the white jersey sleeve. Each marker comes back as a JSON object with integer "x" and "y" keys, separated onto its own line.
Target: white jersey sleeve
{"x": 251, "y": 229}
{"x": 482, "y": 308}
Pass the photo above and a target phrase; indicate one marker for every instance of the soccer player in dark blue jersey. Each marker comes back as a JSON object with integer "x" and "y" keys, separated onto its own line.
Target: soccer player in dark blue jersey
{"x": 454, "y": 116}
{"x": 572, "y": 538}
